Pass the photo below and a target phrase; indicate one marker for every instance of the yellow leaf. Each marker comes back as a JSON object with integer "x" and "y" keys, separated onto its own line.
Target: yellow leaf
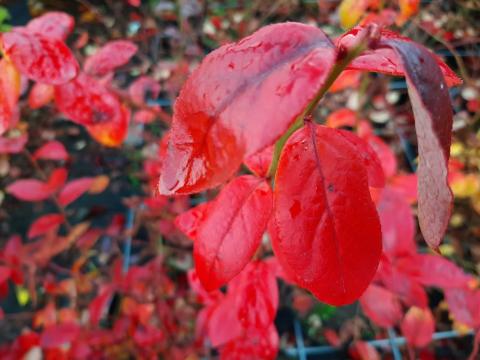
{"x": 23, "y": 296}
{"x": 408, "y": 8}
{"x": 465, "y": 186}
{"x": 350, "y": 12}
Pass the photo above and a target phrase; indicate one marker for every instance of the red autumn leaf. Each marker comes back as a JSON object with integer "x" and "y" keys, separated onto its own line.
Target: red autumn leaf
{"x": 255, "y": 294}
{"x": 223, "y": 325}
{"x": 261, "y": 344}
{"x": 36, "y": 190}
{"x": 325, "y": 231}
{"x": 113, "y": 132}
{"x": 381, "y": 306}
{"x": 53, "y": 24}
{"x": 189, "y": 221}
{"x": 433, "y": 122}
{"x": 53, "y": 150}
{"x": 88, "y": 102}
{"x": 277, "y": 71}
{"x": 45, "y": 224}
{"x": 98, "y": 306}
{"x": 142, "y": 87}
{"x": 9, "y": 93}
{"x": 231, "y": 230}
{"x": 74, "y": 189}
{"x": 110, "y": 56}
{"x": 38, "y": 57}
{"x": 341, "y": 117}
{"x": 259, "y": 163}
{"x": 418, "y": 327}
{"x": 376, "y": 177}
{"x": 347, "y": 79}
{"x": 406, "y": 287}
{"x": 13, "y": 145}
{"x": 434, "y": 270}
{"x": 58, "y": 335}
{"x": 5, "y": 273}
{"x": 463, "y": 304}
{"x": 362, "y": 350}
{"x": 406, "y": 186}
{"x": 40, "y": 95}
{"x": 386, "y": 60}
{"x": 398, "y": 224}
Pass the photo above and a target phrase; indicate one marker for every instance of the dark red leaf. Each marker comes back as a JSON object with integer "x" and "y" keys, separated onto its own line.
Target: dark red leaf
{"x": 110, "y": 56}
{"x": 5, "y": 273}
{"x": 277, "y": 71}
{"x": 58, "y": 335}
{"x": 326, "y": 231}
{"x": 74, "y": 189}
{"x": 45, "y": 224}
{"x": 433, "y": 123}
{"x": 381, "y": 306}
{"x": 231, "y": 230}
{"x": 386, "y": 60}
{"x": 189, "y": 221}
{"x": 13, "y": 145}
{"x": 362, "y": 350}
{"x": 40, "y": 58}
{"x": 53, "y": 150}
{"x": 418, "y": 326}
{"x": 53, "y": 24}
{"x": 40, "y": 95}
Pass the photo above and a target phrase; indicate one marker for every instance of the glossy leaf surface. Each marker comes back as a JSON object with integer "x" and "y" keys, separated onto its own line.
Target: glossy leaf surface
{"x": 232, "y": 229}
{"x": 39, "y": 58}
{"x": 276, "y": 71}
{"x": 325, "y": 230}
{"x": 110, "y": 56}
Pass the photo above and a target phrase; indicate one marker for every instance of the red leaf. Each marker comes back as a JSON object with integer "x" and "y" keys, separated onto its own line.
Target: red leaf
{"x": 381, "y": 306}
{"x": 141, "y": 87}
{"x": 5, "y": 273}
{"x": 223, "y": 325}
{"x": 29, "y": 190}
{"x": 326, "y": 231}
{"x": 255, "y": 294}
{"x": 347, "y": 79}
{"x": 259, "y": 163}
{"x": 341, "y": 117}
{"x": 40, "y": 58}
{"x": 40, "y": 95}
{"x": 384, "y": 153}
{"x": 53, "y": 24}
{"x": 464, "y": 304}
{"x": 74, "y": 189}
{"x": 433, "y": 123}
{"x": 259, "y": 344}
{"x": 44, "y": 224}
{"x": 362, "y": 350}
{"x": 277, "y": 71}
{"x": 98, "y": 306}
{"x": 53, "y": 150}
{"x": 13, "y": 145}
{"x": 386, "y": 60}
{"x": 398, "y": 224}
{"x": 113, "y": 132}
{"x": 189, "y": 221}
{"x": 376, "y": 177}
{"x": 57, "y": 179}
{"x": 9, "y": 93}
{"x": 110, "y": 56}
{"x": 58, "y": 335}
{"x": 437, "y": 271}
{"x": 418, "y": 326}
{"x": 231, "y": 230}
